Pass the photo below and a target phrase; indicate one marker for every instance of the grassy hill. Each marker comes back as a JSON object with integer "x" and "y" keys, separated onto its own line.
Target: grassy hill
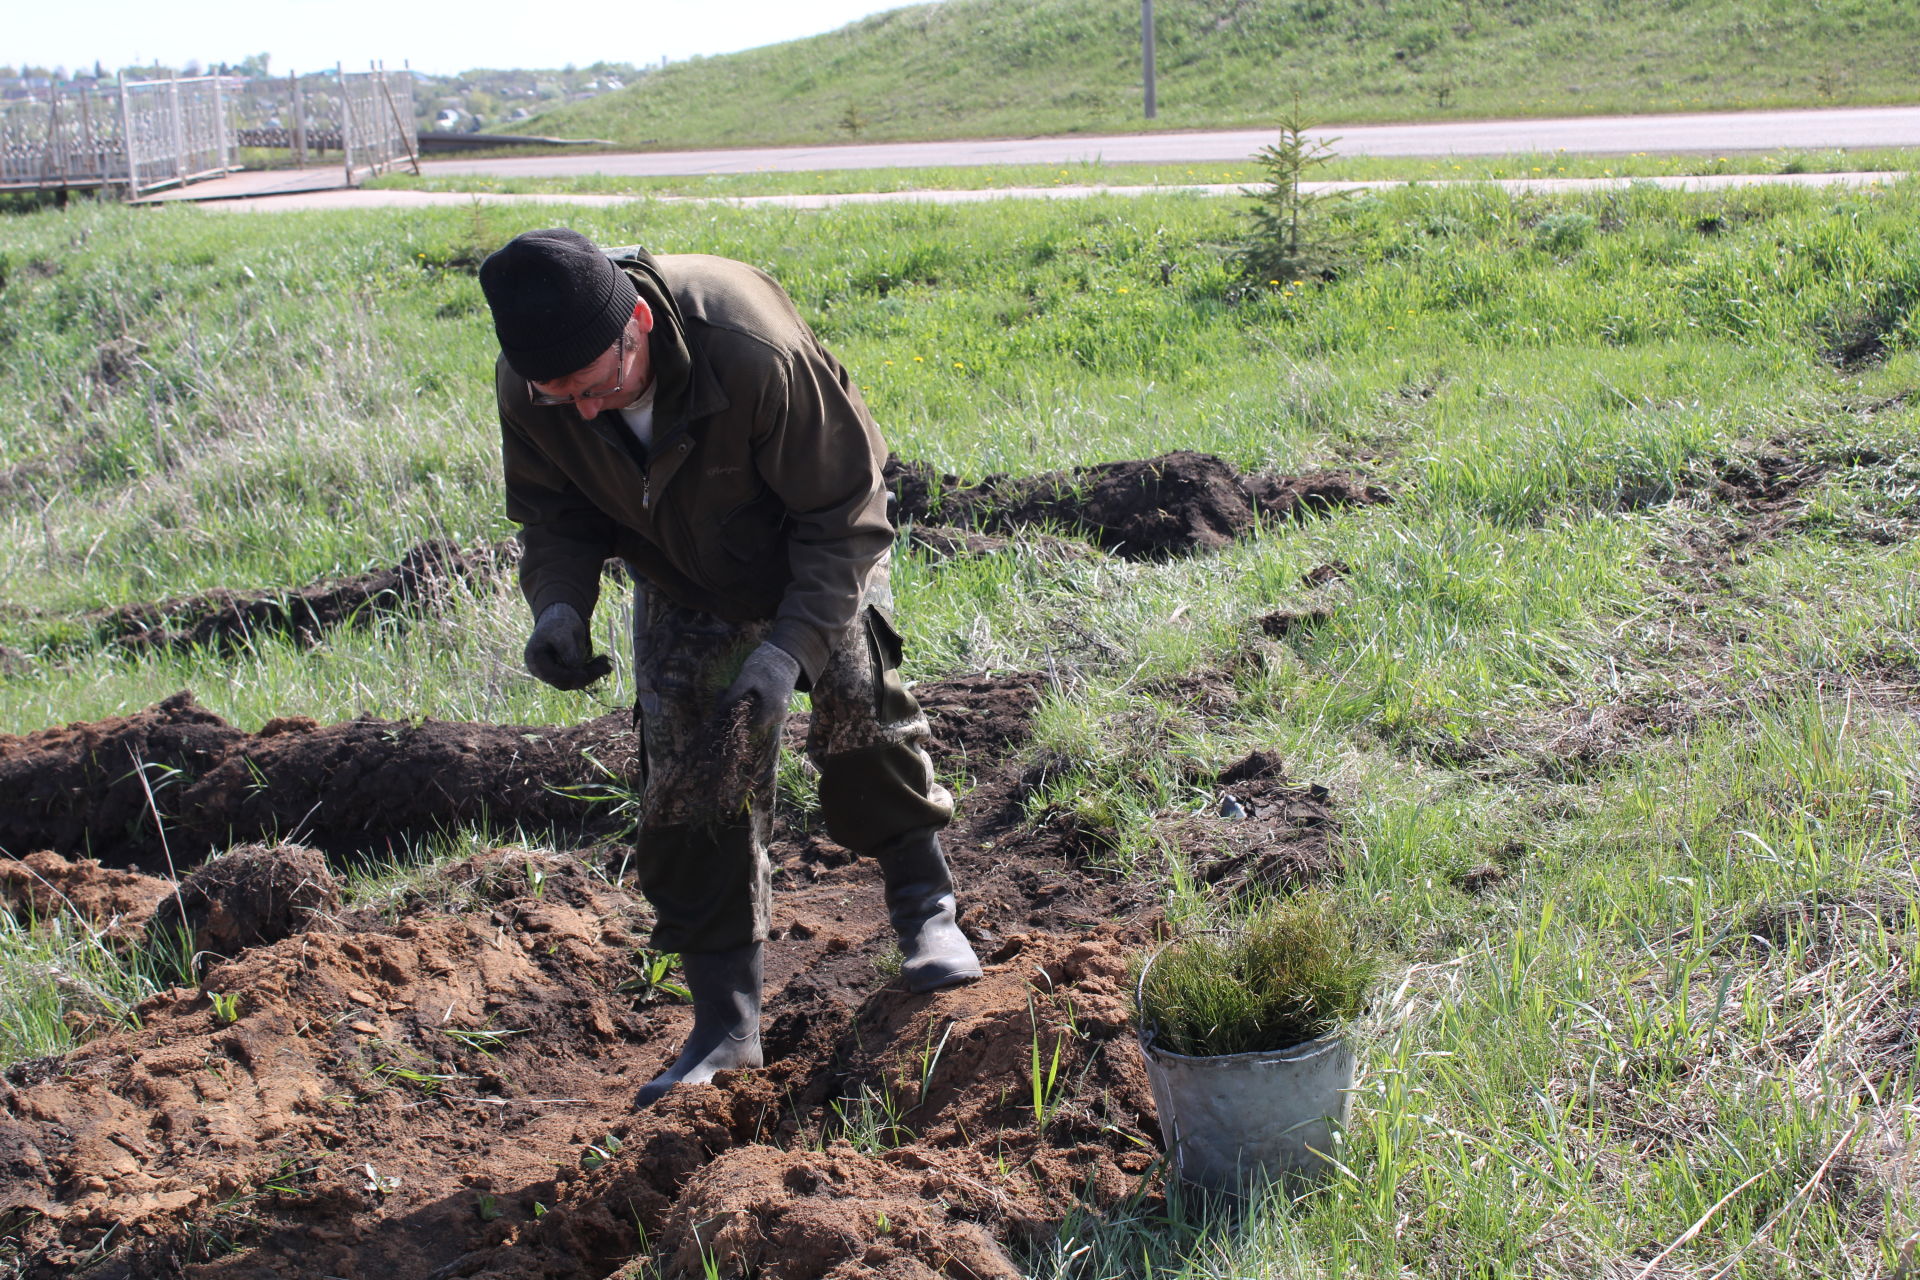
{"x": 1020, "y": 67}
{"x": 1615, "y": 706}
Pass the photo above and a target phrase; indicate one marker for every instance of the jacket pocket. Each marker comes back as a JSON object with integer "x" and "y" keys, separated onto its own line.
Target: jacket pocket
{"x": 752, "y": 530}
{"x": 891, "y": 701}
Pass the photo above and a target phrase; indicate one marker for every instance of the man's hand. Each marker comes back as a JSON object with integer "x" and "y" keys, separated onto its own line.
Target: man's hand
{"x": 767, "y": 677}
{"x": 560, "y": 653}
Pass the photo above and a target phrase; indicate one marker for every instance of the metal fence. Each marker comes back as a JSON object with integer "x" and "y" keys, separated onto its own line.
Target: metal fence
{"x": 376, "y": 119}
{"x": 74, "y": 141}
{"x": 176, "y": 131}
{"x": 140, "y": 136}
{"x": 366, "y": 116}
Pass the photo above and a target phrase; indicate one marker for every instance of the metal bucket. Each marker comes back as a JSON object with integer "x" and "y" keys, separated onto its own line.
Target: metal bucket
{"x": 1233, "y": 1120}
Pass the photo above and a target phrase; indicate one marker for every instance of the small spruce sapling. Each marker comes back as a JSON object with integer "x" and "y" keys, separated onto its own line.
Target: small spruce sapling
{"x": 1286, "y": 238}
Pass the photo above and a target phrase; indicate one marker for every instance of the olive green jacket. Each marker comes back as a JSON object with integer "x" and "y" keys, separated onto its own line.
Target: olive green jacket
{"x": 762, "y": 494}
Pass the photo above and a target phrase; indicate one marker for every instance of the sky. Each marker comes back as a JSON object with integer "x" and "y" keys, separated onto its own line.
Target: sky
{"x": 313, "y": 35}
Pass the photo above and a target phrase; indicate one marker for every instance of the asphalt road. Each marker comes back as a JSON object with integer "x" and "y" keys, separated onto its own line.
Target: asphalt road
{"x": 1720, "y": 131}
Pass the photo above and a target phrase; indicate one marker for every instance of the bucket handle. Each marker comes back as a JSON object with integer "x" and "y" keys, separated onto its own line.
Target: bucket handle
{"x": 1148, "y": 1028}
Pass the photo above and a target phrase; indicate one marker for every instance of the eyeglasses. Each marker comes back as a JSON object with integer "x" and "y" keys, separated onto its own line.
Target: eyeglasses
{"x": 540, "y": 397}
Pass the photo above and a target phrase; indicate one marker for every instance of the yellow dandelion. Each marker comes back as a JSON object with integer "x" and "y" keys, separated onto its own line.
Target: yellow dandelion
{"x": 958, "y": 365}
{"x": 919, "y": 359}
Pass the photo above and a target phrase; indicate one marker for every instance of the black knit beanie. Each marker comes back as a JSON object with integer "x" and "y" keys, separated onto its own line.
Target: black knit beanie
{"x": 557, "y": 302}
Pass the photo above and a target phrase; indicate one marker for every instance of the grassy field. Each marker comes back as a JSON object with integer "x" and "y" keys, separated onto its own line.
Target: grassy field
{"x": 1015, "y": 67}
{"x": 1624, "y": 763}
{"x": 1338, "y": 168}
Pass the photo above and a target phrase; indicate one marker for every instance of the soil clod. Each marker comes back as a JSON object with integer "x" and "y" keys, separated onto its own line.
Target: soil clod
{"x": 1282, "y": 623}
{"x": 1321, "y": 574}
{"x": 248, "y": 897}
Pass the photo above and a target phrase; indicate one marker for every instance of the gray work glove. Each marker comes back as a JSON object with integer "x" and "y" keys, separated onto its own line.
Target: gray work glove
{"x": 767, "y": 677}
{"x": 560, "y": 653}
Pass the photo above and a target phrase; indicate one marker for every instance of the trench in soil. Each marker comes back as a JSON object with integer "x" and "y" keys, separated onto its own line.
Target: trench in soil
{"x": 429, "y": 1086}
{"x": 1176, "y": 504}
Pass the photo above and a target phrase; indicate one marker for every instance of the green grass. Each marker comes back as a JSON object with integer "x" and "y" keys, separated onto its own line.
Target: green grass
{"x": 971, "y": 68}
{"x": 1624, "y": 777}
{"x": 66, "y": 980}
{"x": 1285, "y": 972}
{"x": 1104, "y": 173}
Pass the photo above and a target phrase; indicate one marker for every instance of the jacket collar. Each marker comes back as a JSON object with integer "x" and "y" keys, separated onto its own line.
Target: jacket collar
{"x": 685, "y": 388}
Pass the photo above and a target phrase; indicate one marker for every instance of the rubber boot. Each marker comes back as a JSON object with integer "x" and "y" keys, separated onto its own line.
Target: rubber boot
{"x": 920, "y": 902}
{"x": 726, "y": 1020}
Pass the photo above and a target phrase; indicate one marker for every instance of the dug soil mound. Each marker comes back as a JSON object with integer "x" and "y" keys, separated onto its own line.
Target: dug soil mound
{"x": 43, "y": 884}
{"x": 248, "y": 897}
{"x": 442, "y": 1085}
{"x": 1175, "y": 504}
{"x": 108, "y": 789}
{"x": 229, "y": 619}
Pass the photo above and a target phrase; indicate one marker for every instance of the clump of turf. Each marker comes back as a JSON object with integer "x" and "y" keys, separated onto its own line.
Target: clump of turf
{"x": 1288, "y": 971}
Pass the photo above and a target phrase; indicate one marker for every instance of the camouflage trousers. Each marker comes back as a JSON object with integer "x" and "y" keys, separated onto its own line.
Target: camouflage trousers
{"x": 702, "y": 861}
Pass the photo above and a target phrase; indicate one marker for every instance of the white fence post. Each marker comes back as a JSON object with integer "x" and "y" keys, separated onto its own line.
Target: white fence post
{"x": 299, "y": 124}
{"x": 53, "y": 159}
{"x": 179, "y": 131}
{"x": 126, "y": 140}
{"x": 346, "y": 119}
{"x": 220, "y": 123}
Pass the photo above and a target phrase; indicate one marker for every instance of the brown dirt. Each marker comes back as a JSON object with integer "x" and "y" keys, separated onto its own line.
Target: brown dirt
{"x": 1280, "y": 839}
{"x": 249, "y": 897}
{"x": 1760, "y": 493}
{"x": 43, "y": 884}
{"x": 229, "y": 619}
{"x": 779, "y": 1214}
{"x": 338, "y": 1128}
{"x": 1282, "y": 623}
{"x": 1175, "y": 504}
{"x": 1321, "y": 574}
{"x": 362, "y": 785}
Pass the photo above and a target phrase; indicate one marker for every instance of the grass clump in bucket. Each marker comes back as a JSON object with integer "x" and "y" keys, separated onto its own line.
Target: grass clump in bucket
{"x": 1289, "y": 971}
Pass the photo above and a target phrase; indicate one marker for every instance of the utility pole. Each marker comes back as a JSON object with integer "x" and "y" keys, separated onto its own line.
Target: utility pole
{"x": 1146, "y": 53}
